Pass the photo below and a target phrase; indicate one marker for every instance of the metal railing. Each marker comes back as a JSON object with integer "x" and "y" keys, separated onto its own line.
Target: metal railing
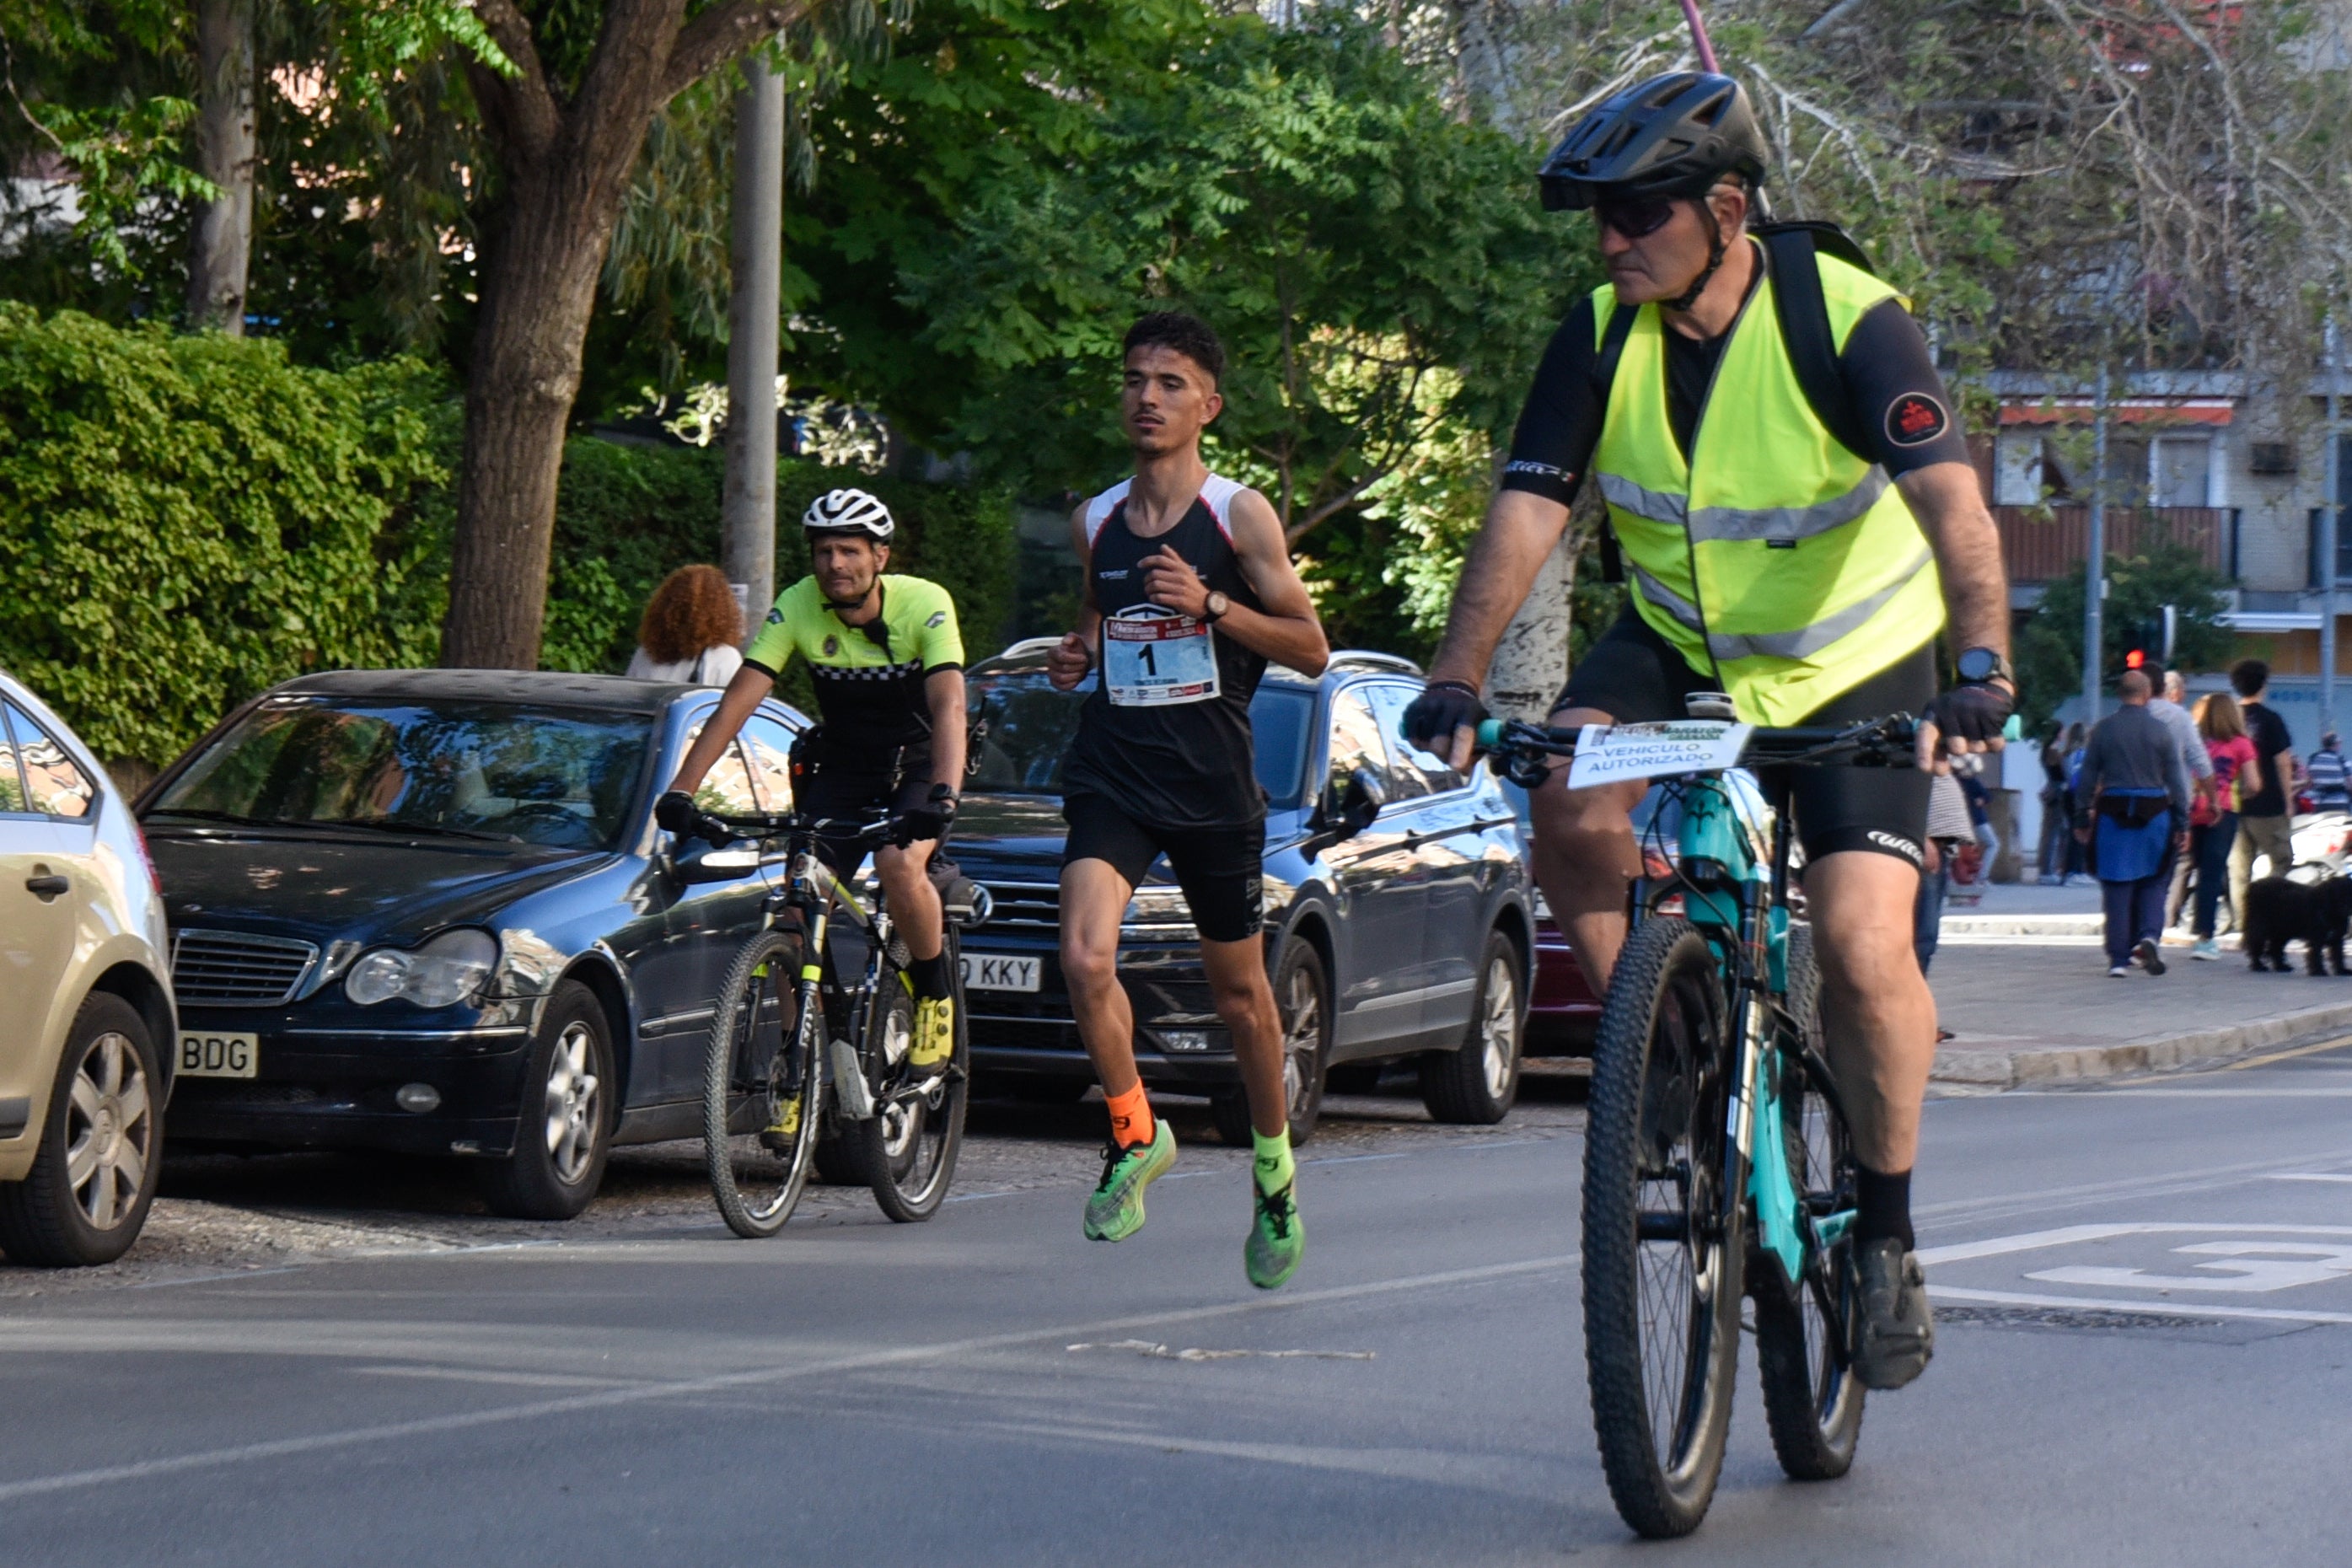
{"x": 2042, "y": 543}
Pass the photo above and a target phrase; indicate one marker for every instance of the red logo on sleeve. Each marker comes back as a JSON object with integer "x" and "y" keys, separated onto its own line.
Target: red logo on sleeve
{"x": 1915, "y": 419}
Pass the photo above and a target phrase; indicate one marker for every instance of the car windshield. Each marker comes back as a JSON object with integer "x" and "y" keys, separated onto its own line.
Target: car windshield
{"x": 463, "y": 770}
{"x": 1030, "y": 727}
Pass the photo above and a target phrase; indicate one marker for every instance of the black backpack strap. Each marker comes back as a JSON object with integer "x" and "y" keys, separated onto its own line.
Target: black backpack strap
{"x": 1805, "y": 327}
{"x": 1604, "y": 374}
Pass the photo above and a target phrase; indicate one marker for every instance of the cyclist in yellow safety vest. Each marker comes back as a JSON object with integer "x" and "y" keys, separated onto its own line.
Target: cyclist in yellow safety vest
{"x": 1795, "y": 541}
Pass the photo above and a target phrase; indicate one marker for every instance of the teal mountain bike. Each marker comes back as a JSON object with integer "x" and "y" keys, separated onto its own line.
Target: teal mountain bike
{"x": 1717, "y": 1160}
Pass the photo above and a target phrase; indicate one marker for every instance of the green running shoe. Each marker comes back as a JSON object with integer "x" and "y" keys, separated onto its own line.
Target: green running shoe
{"x": 1277, "y": 1239}
{"x": 1115, "y": 1208}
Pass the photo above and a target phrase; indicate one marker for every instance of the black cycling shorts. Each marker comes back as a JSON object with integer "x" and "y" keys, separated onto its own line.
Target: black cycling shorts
{"x": 834, "y": 780}
{"x": 1221, "y": 870}
{"x": 1636, "y": 677}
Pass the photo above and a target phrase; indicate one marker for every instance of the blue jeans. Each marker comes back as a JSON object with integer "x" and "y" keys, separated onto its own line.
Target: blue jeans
{"x": 1928, "y": 914}
{"x": 2211, "y": 849}
{"x": 2135, "y": 910}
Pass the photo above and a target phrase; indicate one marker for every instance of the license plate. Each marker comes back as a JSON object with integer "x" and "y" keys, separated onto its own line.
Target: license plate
{"x": 996, "y": 972}
{"x": 220, "y": 1056}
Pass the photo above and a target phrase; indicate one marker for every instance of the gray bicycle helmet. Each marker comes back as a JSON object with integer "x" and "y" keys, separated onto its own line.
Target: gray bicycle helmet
{"x": 1672, "y": 135}
{"x": 849, "y": 511}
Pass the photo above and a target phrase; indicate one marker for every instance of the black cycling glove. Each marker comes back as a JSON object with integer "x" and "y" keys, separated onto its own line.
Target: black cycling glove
{"x": 1974, "y": 712}
{"x": 1442, "y": 706}
{"x": 675, "y": 812}
{"x": 929, "y": 820}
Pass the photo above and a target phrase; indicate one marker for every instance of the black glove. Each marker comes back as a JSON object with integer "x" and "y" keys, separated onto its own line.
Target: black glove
{"x": 1976, "y": 712}
{"x": 930, "y": 820}
{"x": 675, "y": 812}
{"x": 1442, "y": 706}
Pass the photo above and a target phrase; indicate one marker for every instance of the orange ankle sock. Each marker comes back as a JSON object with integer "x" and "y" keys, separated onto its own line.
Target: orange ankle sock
{"x": 1131, "y": 1117}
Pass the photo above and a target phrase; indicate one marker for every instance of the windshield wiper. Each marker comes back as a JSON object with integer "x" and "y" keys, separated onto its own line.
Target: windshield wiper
{"x": 231, "y": 817}
{"x": 315, "y": 823}
{"x": 382, "y": 825}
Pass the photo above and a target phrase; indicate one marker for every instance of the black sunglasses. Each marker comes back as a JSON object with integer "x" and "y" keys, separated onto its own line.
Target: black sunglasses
{"x": 1636, "y": 219}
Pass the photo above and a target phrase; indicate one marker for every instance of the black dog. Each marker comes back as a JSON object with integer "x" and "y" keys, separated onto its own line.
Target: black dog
{"x": 2278, "y": 912}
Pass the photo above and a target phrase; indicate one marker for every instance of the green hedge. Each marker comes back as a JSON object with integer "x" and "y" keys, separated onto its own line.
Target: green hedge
{"x": 185, "y": 520}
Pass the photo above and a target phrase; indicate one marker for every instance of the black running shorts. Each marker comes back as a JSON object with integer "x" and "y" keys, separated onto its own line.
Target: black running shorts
{"x": 1635, "y": 676}
{"x": 1221, "y": 870}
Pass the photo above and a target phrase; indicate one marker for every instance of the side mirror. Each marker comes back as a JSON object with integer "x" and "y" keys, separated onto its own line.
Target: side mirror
{"x": 704, "y": 864}
{"x": 1360, "y": 803}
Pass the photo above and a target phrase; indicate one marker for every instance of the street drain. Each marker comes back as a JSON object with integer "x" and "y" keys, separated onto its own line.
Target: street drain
{"x": 2068, "y": 1317}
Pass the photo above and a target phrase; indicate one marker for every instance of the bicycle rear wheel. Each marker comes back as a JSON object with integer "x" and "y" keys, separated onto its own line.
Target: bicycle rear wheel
{"x": 908, "y": 1147}
{"x": 1813, "y": 1401}
{"x": 762, "y": 1087}
{"x": 1663, "y": 1252}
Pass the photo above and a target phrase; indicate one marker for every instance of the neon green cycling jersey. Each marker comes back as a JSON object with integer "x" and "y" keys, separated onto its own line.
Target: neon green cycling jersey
{"x": 869, "y": 678}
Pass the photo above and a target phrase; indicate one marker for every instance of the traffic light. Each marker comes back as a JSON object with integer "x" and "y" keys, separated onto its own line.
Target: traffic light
{"x": 2135, "y": 660}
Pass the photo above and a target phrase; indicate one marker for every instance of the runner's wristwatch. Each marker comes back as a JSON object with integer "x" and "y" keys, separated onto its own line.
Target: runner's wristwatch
{"x": 1214, "y": 609}
{"x": 1979, "y": 666}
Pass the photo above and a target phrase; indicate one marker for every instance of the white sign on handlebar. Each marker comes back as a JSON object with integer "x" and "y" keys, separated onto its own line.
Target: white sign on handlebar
{"x": 1612, "y": 753}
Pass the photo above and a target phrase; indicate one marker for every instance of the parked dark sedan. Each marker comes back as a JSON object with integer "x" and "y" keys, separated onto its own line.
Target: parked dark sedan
{"x": 1397, "y": 903}
{"x": 429, "y": 911}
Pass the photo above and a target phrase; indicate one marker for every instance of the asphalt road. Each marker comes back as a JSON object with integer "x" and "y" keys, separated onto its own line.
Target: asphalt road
{"x": 2146, "y": 1300}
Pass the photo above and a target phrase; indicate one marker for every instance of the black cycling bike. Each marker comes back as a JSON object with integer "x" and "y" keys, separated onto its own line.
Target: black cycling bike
{"x": 1716, "y": 1159}
{"x": 808, "y": 1066}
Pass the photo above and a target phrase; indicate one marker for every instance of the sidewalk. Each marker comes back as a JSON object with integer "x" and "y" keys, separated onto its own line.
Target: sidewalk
{"x": 2031, "y": 1009}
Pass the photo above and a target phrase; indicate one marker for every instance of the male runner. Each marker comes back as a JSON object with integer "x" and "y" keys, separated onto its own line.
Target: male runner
{"x": 1768, "y": 561}
{"x": 886, "y": 661}
{"x": 1190, "y": 591}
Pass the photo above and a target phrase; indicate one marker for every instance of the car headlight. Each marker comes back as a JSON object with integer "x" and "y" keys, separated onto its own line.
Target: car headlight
{"x": 449, "y": 968}
{"x": 1157, "y": 907}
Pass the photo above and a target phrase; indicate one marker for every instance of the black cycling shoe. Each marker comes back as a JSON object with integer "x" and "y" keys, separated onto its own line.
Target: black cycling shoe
{"x": 1894, "y": 1332}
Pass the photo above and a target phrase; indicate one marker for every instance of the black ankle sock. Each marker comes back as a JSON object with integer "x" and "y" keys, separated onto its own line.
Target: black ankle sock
{"x": 929, "y": 975}
{"x": 1883, "y": 1205}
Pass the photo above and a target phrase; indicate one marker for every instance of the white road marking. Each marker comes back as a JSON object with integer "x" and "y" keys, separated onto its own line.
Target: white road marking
{"x": 1194, "y": 1352}
{"x": 2166, "y": 1308}
{"x": 2033, "y": 1240}
{"x": 486, "y": 1374}
{"x": 282, "y": 1447}
{"x": 2201, "y": 1180}
{"x": 2310, "y": 1176}
{"x": 2242, "y": 1266}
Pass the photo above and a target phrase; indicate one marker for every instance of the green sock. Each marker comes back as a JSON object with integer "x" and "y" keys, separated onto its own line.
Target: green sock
{"x": 1274, "y": 1164}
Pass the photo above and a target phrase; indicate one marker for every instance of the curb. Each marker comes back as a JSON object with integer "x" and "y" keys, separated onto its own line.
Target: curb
{"x": 1994, "y": 1070}
{"x": 2024, "y": 925}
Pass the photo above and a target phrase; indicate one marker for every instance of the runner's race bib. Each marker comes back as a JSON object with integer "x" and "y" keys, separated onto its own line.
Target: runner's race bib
{"x": 1152, "y": 657}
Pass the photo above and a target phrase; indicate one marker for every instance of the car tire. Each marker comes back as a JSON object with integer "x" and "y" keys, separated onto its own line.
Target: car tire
{"x": 1302, "y": 999}
{"x": 1030, "y": 1088}
{"x": 1476, "y": 1083}
{"x": 106, "y": 1120}
{"x": 563, "y": 1133}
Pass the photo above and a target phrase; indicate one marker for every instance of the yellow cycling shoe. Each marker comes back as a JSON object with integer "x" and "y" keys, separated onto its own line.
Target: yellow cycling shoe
{"x": 784, "y": 1127}
{"x": 934, "y": 1033}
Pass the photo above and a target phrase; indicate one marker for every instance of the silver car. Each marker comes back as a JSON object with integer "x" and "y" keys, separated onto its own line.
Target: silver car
{"x": 85, "y": 994}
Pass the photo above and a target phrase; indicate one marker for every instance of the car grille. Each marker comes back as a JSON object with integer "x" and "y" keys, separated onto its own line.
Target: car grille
{"x": 1025, "y": 906}
{"x": 229, "y": 968}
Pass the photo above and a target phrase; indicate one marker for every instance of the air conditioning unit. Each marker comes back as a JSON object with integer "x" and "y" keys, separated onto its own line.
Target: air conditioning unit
{"x": 2270, "y": 457}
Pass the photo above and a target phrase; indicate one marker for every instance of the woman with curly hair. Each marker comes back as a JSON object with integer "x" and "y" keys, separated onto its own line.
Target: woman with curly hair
{"x": 690, "y": 631}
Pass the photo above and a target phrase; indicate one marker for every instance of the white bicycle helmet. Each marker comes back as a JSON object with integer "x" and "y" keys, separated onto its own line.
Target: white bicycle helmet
{"x": 849, "y": 511}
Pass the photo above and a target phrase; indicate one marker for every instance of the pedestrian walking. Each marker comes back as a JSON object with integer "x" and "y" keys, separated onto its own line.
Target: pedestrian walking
{"x": 2331, "y": 788}
{"x": 2213, "y": 817}
{"x": 2265, "y": 827}
{"x": 1969, "y": 771}
{"x": 2057, "y": 812}
{"x": 2078, "y": 849}
{"x": 2137, "y": 785}
{"x": 2169, "y": 707}
{"x": 692, "y": 630}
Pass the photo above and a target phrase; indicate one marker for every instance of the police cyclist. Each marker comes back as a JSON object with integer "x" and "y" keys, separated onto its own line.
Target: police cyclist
{"x": 886, "y": 660}
{"x": 1804, "y": 570}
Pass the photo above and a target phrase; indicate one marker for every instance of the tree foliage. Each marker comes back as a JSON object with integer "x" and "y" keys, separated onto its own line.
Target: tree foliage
{"x": 2050, "y": 645}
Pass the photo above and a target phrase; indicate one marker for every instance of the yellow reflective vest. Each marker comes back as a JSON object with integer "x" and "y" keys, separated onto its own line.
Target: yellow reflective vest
{"x": 1774, "y": 555}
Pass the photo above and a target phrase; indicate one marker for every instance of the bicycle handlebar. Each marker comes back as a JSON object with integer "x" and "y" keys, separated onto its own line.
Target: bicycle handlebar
{"x": 1884, "y": 743}
{"x": 717, "y": 830}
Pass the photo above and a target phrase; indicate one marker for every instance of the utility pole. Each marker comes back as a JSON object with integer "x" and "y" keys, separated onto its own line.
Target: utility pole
{"x": 754, "y": 303}
{"x": 2331, "y": 529}
{"x": 2094, "y": 574}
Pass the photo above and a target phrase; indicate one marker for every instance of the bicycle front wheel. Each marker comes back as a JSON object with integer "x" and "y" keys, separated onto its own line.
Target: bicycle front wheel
{"x": 1813, "y": 1401}
{"x": 908, "y": 1148}
{"x": 1663, "y": 1249}
{"x": 763, "y": 1087}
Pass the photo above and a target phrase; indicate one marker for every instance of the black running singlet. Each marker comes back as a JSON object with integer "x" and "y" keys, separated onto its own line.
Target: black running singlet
{"x": 1165, "y": 737}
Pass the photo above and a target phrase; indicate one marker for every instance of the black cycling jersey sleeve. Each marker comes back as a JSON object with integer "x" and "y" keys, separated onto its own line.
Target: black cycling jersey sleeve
{"x": 1560, "y": 423}
{"x": 1897, "y": 397}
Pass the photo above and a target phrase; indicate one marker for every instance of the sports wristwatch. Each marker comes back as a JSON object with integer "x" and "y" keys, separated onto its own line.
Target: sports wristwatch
{"x": 1214, "y": 609}
{"x": 1977, "y": 666}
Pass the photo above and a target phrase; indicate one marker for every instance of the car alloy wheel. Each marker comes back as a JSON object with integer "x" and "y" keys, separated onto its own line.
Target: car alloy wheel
{"x": 1302, "y": 1039}
{"x": 575, "y": 1103}
{"x": 1498, "y": 1026}
{"x": 110, "y": 1130}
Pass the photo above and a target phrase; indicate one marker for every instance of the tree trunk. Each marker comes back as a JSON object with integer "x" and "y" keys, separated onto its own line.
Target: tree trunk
{"x": 539, "y": 288}
{"x": 221, "y": 251}
{"x": 1530, "y": 664}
